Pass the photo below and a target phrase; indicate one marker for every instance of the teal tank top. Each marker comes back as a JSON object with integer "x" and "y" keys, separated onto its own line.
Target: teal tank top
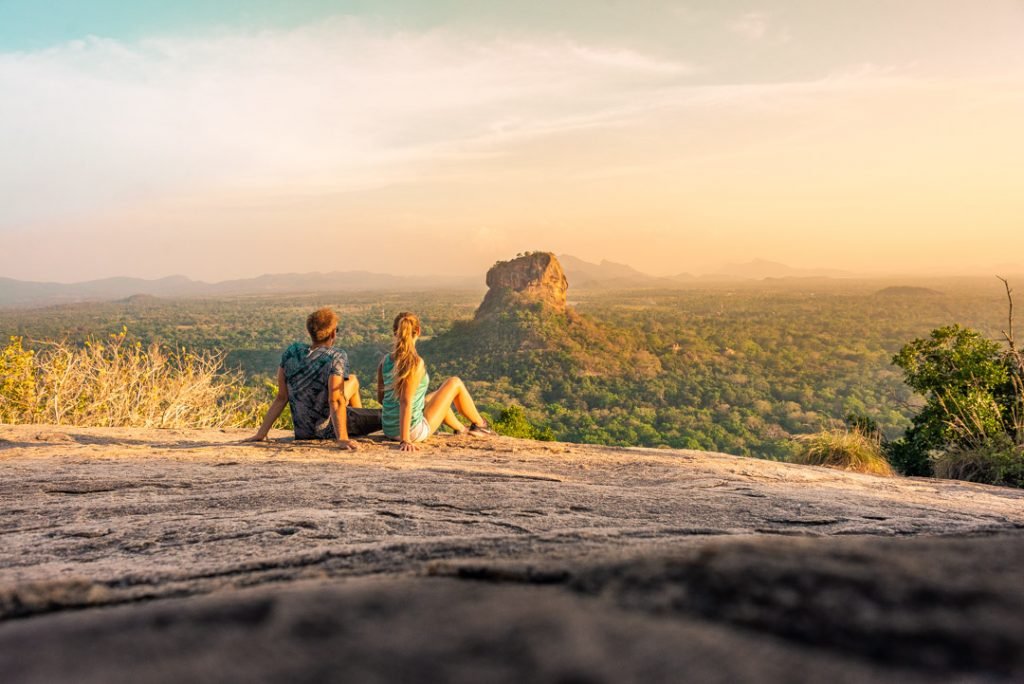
{"x": 389, "y": 415}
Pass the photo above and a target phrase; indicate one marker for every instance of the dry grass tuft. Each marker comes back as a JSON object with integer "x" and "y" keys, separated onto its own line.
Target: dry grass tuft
{"x": 117, "y": 383}
{"x": 995, "y": 461}
{"x": 845, "y": 450}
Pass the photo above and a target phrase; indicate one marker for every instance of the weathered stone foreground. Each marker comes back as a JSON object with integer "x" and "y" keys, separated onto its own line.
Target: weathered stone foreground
{"x": 495, "y": 560}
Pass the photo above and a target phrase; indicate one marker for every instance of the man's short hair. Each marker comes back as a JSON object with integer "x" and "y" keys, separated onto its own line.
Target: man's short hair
{"x": 321, "y": 324}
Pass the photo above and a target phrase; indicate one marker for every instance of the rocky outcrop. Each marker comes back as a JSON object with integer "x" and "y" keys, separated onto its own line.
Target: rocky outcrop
{"x": 530, "y": 279}
{"x": 168, "y": 555}
{"x": 524, "y": 320}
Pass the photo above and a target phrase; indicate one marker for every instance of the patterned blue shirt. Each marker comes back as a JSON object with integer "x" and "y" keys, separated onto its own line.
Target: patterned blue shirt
{"x": 307, "y": 372}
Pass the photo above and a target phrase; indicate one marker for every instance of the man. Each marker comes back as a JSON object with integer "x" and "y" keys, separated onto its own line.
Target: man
{"x": 314, "y": 380}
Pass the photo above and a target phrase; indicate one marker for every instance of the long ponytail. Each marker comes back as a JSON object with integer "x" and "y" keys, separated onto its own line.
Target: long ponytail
{"x": 404, "y": 356}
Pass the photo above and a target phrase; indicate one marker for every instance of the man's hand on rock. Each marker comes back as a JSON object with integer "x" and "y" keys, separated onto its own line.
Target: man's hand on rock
{"x": 255, "y": 438}
{"x": 347, "y": 445}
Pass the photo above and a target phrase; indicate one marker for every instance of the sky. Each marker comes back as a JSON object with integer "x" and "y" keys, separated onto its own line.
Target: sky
{"x": 229, "y": 139}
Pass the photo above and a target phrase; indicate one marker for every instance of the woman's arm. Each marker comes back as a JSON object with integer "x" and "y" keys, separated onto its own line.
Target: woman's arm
{"x": 405, "y": 407}
{"x": 274, "y": 412}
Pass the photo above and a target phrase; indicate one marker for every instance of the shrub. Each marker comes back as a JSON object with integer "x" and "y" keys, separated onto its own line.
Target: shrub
{"x": 512, "y": 422}
{"x": 17, "y": 383}
{"x": 994, "y": 461}
{"x": 865, "y": 425}
{"x": 909, "y": 457}
{"x": 972, "y": 391}
{"x": 843, "y": 449}
{"x": 117, "y": 383}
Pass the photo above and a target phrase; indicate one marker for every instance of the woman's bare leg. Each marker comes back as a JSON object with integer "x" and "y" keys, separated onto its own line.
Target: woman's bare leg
{"x": 450, "y": 419}
{"x": 439, "y": 404}
{"x": 351, "y": 386}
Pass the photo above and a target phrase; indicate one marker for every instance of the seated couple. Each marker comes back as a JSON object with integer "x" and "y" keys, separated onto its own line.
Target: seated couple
{"x": 314, "y": 379}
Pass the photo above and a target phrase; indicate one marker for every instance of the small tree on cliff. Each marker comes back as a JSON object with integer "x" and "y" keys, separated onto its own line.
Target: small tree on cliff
{"x": 974, "y": 395}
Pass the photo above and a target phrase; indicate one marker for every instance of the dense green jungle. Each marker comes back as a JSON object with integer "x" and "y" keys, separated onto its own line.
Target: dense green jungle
{"x": 739, "y": 368}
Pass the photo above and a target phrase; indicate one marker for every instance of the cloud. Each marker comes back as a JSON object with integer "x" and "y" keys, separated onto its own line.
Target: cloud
{"x": 759, "y": 27}
{"x": 336, "y": 106}
{"x": 196, "y": 153}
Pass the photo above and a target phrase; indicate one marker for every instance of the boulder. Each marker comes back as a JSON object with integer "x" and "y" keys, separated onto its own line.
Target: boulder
{"x": 526, "y": 280}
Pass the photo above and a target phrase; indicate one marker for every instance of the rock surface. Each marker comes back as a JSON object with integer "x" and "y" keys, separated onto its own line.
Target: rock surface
{"x": 159, "y": 555}
{"x": 534, "y": 278}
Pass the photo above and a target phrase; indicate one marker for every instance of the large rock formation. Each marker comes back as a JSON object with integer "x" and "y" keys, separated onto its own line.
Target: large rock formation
{"x": 533, "y": 278}
{"x": 524, "y": 323}
{"x": 169, "y": 555}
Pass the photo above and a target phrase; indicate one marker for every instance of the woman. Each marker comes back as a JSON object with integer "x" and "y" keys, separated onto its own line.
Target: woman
{"x": 410, "y": 414}
{"x": 314, "y": 379}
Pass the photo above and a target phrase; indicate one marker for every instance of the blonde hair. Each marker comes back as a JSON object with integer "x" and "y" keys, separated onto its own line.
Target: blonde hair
{"x": 404, "y": 356}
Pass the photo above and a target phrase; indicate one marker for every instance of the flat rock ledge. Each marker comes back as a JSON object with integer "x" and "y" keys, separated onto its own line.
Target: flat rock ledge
{"x": 168, "y": 555}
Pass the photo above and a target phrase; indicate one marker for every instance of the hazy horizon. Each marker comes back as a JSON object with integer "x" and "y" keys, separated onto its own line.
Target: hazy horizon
{"x": 218, "y": 143}
{"x": 726, "y": 273}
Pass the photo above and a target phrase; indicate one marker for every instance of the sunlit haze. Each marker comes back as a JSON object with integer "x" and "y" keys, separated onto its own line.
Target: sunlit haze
{"x": 148, "y": 139}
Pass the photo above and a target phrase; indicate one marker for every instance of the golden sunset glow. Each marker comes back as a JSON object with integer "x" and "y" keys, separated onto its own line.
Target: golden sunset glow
{"x": 671, "y": 136}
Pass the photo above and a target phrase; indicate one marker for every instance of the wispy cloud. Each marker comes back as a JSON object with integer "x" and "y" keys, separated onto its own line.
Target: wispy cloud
{"x": 759, "y": 27}
{"x": 335, "y": 104}
{"x": 129, "y": 155}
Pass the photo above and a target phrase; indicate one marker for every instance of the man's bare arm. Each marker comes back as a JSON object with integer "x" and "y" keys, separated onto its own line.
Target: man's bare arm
{"x": 339, "y": 416}
{"x": 274, "y": 412}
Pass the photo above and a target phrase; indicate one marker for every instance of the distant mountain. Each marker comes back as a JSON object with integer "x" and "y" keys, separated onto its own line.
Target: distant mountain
{"x": 283, "y": 283}
{"x": 586, "y": 274}
{"x": 25, "y": 293}
{"x": 581, "y": 274}
{"x": 609, "y": 275}
{"x": 759, "y": 269}
{"x": 908, "y": 291}
{"x": 19, "y": 293}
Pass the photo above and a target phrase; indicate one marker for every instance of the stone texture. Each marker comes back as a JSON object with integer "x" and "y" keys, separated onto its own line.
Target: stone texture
{"x": 531, "y": 279}
{"x": 161, "y": 555}
{"x": 435, "y": 630}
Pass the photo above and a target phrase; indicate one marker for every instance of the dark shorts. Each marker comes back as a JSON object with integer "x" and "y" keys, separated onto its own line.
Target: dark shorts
{"x": 360, "y": 421}
{"x": 363, "y": 421}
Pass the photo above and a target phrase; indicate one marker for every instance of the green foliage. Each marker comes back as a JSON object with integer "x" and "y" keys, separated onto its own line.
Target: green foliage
{"x": 970, "y": 397}
{"x": 909, "y": 457}
{"x": 17, "y": 383}
{"x": 845, "y": 450}
{"x": 512, "y": 422}
{"x": 733, "y": 368}
{"x": 865, "y": 425}
{"x": 952, "y": 358}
